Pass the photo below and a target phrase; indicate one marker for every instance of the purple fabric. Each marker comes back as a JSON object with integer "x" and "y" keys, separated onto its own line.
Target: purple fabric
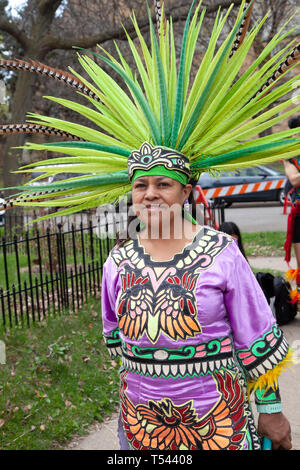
{"x": 230, "y": 304}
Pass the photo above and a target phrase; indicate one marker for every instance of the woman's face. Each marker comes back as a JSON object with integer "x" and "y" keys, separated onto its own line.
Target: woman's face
{"x": 158, "y": 200}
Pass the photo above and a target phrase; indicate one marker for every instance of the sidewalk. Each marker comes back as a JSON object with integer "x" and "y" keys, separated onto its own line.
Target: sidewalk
{"x": 275, "y": 263}
{"x": 103, "y": 436}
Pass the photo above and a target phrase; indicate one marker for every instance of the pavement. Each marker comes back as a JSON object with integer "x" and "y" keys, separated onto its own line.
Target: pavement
{"x": 258, "y": 217}
{"x": 103, "y": 436}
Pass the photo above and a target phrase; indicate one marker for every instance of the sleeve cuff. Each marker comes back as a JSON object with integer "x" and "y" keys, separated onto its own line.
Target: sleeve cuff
{"x": 113, "y": 343}
{"x": 270, "y": 396}
{"x": 270, "y": 408}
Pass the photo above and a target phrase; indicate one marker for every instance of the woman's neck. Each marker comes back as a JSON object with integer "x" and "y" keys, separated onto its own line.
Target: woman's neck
{"x": 178, "y": 230}
{"x": 162, "y": 248}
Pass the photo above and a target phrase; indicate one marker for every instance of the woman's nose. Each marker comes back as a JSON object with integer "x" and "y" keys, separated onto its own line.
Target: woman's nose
{"x": 151, "y": 192}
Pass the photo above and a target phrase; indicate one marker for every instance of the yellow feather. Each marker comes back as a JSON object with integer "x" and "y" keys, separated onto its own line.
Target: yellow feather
{"x": 270, "y": 378}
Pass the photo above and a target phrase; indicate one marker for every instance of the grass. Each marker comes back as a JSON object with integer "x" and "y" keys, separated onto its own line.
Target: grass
{"x": 58, "y": 379}
{"x": 264, "y": 243}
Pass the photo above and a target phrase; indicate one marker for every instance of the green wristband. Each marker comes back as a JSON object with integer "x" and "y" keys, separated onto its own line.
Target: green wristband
{"x": 270, "y": 408}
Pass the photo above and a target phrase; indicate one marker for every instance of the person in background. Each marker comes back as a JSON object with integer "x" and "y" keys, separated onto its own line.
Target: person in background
{"x": 232, "y": 229}
{"x": 292, "y": 171}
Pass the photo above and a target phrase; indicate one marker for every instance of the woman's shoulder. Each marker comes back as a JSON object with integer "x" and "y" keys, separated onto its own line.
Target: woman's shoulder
{"x": 120, "y": 251}
{"x": 227, "y": 245}
{"x": 208, "y": 246}
{"x": 215, "y": 237}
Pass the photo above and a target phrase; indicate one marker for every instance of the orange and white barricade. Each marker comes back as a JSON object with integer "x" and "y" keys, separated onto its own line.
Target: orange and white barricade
{"x": 213, "y": 193}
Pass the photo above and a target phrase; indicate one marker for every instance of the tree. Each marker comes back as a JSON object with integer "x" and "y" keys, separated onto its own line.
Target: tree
{"x": 279, "y": 12}
{"x": 46, "y": 27}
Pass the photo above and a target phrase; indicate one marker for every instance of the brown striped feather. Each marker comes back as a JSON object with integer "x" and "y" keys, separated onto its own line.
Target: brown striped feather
{"x": 28, "y": 197}
{"x": 157, "y": 7}
{"x": 292, "y": 60}
{"x": 240, "y": 36}
{"x": 50, "y": 72}
{"x": 7, "y": 129}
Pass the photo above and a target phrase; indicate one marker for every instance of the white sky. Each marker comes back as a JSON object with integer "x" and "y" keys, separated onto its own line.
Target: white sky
{"x": 16, "y": 3}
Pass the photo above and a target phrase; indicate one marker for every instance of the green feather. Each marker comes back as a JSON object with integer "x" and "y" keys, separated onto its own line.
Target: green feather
{"x": 204, "y": 96}
{"x": 91, "y": 145}
{"x": 154, "y": 128}
{"x": 165, "y": 116}
{"x": 212, "y": 161}
{"x": 180, "y": 84}
{"x": 84, "y": 182}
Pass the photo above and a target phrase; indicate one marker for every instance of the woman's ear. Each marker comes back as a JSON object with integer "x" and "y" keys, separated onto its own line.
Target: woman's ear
{"x": 187, "y": 190}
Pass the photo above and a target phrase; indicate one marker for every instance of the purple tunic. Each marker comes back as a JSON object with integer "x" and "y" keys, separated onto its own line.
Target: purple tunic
{"x": 191, "y": 331}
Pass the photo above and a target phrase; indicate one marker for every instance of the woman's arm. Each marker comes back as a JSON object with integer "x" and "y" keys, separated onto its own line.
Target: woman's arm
{"x": 108, "y": 300}
{"x": 292, "y": 173}
{"x": 261, "y": 348}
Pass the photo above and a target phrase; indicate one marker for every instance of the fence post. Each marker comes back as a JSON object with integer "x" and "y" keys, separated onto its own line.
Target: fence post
{"x": 30, "y": 274}
{"x": 4, "y": 245}
{"x": 48, "y": 235}
{"x": 26, "y": 304}
{"x": 60, "y": 266}
{"x": 15, "y": 304}
{"x": 40, "y": 270}
{"x": 3, "y": 309}
{"x": 75, "y": 263}
{"x": 19, "y": 276}
{"x": 64, "y": 266}
{"x": 83, "y": 256}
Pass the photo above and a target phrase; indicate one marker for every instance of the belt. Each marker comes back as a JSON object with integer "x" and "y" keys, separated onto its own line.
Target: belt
{"x": 186, "y": 361}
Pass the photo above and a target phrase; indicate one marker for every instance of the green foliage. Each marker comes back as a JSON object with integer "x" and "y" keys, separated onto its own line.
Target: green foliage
{"x": 264, "y": 243}
{"x": 58, "y": 379}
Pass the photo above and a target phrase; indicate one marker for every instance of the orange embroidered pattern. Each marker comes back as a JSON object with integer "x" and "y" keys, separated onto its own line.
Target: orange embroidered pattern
{"x": 165, "y": 426}
{"x": 160, "y": 297}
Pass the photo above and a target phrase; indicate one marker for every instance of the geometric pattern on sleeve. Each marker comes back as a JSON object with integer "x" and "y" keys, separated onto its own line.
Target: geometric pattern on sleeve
{"x": 264, "y": 353}
{"x": 113, "y": 343}
{"x": 267, "y": 397}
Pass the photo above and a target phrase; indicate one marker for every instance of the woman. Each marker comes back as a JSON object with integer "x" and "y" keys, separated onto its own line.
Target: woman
{"x": 179, "y": 301}
{"x": 232, "y": 229}
{"x": 292, "y": 168}
{"x": 186, "y": 315}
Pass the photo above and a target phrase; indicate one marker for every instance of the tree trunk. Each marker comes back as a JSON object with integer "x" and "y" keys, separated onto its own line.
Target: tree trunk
{"x": 21, "y": 103}
{"x": 25, "y": 87}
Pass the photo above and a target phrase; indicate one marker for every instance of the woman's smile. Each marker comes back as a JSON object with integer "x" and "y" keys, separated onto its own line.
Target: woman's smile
{"x": 158, "y": 199}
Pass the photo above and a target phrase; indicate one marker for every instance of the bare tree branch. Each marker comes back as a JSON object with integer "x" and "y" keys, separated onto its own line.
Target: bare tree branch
{"x": 45, "y": 5}
{"x": 51, "y": 42}
{"x": 10, "y": 28}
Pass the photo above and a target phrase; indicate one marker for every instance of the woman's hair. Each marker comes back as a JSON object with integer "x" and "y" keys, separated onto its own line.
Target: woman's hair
{"x": 232, "y": 229}
{"x": 120, "y": 240}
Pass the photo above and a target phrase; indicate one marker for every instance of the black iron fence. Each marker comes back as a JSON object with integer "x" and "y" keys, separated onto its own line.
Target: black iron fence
{"x": 46, "y": 273}
{"x": 55, "y": 268}
{"x": 17, "y": 222}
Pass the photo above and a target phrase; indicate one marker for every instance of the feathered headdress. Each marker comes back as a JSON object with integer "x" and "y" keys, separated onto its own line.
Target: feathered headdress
{"x": 213, "y": 120}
